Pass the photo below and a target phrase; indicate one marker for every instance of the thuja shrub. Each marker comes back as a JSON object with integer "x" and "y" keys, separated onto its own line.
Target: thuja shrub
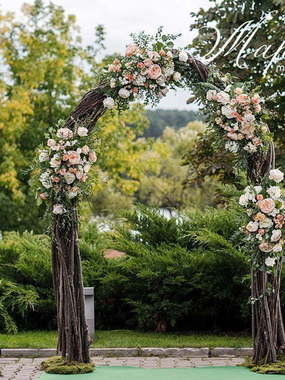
{"x": 184, "y": 272}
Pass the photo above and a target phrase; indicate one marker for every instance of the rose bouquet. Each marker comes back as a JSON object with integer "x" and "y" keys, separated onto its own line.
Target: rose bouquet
{"x": 265, "y": 207}
{"x": 149, "y": 68}
{"x": 239, "y": 119}
{"x": 65, "y": 164}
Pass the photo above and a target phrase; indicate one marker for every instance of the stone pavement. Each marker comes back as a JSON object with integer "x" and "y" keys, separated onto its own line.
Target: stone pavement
{"x": 28, "y": 369}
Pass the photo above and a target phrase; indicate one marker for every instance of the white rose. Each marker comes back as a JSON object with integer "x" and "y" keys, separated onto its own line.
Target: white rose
{"x": 249, "y": 118}
{"x": 276, "y": 175}
{"x": 72, "y": 193}
{"x": 69, "y": 178}
{"x": 176, "y": 76}
{"x": 58, "y": 209}
{"x": 227, "y": 111}
{"x": 82, "y": 131}
{"x": 55, "y": 161}
{"x": 43, "y": 156}
{"x": 257, "y": 189}
{"x": 243, "y": 200}
{"x": 274, "y": 192}
{"x": 124, "y": 93}
{"x": 46, "y": 180}
{"x": 109, "y": 102}
{"x": 232, "y": 146}
{"x": 266, "y": 223}
{"x": 276, "y": 235}
{"x": 252, "y": 226}
{"x": 270, "y": 261}
{"x": 183, "y": 56}
{"x": 211, "y": 94}
{"x": 250, "y": 148}
{"x": 64, "y": 133}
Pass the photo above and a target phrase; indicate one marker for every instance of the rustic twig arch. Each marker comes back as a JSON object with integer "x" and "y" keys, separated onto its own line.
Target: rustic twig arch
{"x": 148, "y": 68}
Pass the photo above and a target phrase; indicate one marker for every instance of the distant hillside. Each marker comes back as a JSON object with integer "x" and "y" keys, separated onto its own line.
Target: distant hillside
{"x": 161, "y": 118}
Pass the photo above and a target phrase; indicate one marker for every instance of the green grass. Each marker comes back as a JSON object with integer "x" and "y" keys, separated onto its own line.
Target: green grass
{"x": 127, "y": 338}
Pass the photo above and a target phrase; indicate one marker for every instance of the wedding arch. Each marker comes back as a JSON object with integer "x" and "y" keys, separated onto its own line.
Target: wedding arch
{"x": 234, "y": 111}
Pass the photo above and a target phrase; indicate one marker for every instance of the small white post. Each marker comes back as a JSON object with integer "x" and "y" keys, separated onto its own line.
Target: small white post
{"x": 89, "y": 310}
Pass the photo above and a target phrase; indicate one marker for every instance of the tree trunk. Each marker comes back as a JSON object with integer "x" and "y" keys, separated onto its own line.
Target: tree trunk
{"x": 267, "y": 321}
{"x": 68, "y": 286}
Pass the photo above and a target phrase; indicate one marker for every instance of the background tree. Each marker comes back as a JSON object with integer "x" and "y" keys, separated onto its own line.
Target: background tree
{"x": 227, "y": 16}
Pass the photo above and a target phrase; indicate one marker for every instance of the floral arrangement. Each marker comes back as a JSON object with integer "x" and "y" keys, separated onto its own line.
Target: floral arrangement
{"x": 65, "y": 164}
{"x": 238, "y": 116}
{"x": 265, "y": 207}
{"x": 149, "y": 68}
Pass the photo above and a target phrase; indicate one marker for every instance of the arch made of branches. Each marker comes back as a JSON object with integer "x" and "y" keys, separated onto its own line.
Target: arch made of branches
{"x": 234, "y": 111}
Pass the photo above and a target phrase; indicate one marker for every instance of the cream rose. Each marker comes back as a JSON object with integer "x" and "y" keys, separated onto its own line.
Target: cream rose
{"x": 109, "y": 102}
{"x": 252, "y": 227}
{"x": 265, "y": 247}
{"x": 124, "y": 93}
{"x": 266, "y": 205}
{"x": 131, "y": 50}
{"x": 82, "y": 131}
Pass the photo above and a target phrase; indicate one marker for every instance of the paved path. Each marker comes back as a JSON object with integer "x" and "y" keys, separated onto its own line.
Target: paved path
{"x": 28, "y": 369}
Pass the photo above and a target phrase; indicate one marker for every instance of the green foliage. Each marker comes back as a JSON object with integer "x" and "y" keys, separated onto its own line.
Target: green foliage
{"x": 184, "y": 259}
{"x": 227, "y": 16}
{"x": 25, "y": 285}
{"x": 59, "y": 366}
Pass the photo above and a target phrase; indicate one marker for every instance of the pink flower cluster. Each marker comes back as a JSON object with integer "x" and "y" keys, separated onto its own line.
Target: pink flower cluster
{"x": 65, "y": 164}
{"x": 265, "y": 208}
{"x": 238, "y": 115}
{"x": 141, "y": 70}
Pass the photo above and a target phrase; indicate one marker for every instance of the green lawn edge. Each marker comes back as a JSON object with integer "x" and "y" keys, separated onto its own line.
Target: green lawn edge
{"x": 128, "y": 338}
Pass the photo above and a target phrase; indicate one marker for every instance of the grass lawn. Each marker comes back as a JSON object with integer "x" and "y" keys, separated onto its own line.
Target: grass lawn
{"x": 127, "y": 338}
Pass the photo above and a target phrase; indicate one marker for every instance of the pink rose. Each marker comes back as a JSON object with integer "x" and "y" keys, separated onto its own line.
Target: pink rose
{"x": 266, "y": 205}
{"x": 140, "y": 65}
{"x": 255, "y": 99}
{"x": 259, "y": 197}
{"x": 243, "y": 99}
{"x": 74, "y": 158}
{"x": 131, "y": 50}
{"x": 154, "y": 71}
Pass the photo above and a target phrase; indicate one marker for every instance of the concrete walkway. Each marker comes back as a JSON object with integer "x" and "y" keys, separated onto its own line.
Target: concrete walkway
{"x": 28, "y": 369}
